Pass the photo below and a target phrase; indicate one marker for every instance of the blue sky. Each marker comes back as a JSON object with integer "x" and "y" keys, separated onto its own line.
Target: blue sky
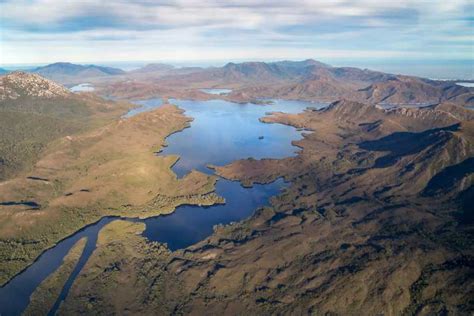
{"x": 341, "y": 31}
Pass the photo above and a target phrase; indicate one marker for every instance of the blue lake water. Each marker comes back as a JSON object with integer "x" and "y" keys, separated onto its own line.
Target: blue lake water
{"x": 14, "y": 296}
{"x": 83, "y": 87}
{"x": 224, "y": 131}
{"x": 220, "y": 133}
{"x": 217, "y": 91}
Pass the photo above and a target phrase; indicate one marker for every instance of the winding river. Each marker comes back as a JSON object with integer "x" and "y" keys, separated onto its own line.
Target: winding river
{"x": 220, "y": 133}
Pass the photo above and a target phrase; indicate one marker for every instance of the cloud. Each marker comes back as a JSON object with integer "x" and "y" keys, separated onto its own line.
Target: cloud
{"x": 235, "y": 28}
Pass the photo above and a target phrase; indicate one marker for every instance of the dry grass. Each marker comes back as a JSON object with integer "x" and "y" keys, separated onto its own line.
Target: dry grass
{"x": 109, "y": 171}
{"x": 46, "y": 294}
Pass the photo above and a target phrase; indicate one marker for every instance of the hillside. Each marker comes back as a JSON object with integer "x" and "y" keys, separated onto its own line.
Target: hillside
{"x": 376, "y": 217}
{"x": 19, "y": 84}
{"x": 153, "y": 68}
{"x": 35, "y": 111}
{"x": 316, "y": 83}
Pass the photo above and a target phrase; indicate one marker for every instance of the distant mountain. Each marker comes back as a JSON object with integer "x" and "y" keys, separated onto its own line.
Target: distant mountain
{"x": 3, "y": 71}
{"x": 270, "y": 71}
{"x": 153, "y": 68}
{"x": 299, "y": 67}
{"x": 74, "y": 69}
{"x": 68, "y": 72}
{"x": 312, "y": 80}
{"x": 309, "y": 80}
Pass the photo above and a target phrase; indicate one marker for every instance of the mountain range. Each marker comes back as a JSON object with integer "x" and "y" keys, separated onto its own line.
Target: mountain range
{"x": 65, "y": 72}
{"x": 376, "y": 218}
{"x": 305, "y": 80}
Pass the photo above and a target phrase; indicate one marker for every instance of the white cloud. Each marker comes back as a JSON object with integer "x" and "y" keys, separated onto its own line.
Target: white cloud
{"x": 81, "y": 30}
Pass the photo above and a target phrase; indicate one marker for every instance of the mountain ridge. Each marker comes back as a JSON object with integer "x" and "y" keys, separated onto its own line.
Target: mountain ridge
{"x": 19, "y": 84}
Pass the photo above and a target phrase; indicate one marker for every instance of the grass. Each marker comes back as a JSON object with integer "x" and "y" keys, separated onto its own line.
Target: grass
{"x": 111, "y": 170}
{"x": 28, "y": 125}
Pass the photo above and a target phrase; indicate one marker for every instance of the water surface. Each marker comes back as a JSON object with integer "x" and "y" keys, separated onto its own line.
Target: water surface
{"x": 220, "y": 133}
{"x": 83, "y": 87}
{"x": 217, "y": 91}
{"x": 144, "y": 106}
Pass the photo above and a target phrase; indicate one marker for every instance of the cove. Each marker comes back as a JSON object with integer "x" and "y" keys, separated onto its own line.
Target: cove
{"x": 220, "y": 133}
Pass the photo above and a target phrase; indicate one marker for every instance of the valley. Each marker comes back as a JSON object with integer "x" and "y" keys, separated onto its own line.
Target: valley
{"x": 283, "y": 187}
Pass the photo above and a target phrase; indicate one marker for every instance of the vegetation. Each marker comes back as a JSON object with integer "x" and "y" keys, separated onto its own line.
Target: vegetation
{"x": 25, "y": 135}
{"x": 46, "y": 294}
{"x": 107, "y": 171}
{"x": 343, "y": 238}
{"x": 29, "y": 124}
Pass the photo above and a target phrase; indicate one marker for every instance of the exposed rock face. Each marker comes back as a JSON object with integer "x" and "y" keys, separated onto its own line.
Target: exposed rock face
{"x": 21, "y": 84}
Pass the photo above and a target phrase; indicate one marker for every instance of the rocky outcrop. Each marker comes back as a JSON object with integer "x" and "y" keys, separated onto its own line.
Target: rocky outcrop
{"x": 21, "y": 84}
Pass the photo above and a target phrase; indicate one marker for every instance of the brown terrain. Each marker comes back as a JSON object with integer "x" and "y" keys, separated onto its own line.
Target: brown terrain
{"x": 377, "y": 218}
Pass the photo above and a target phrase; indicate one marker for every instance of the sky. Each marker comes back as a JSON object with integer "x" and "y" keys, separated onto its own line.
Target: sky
{"x": 435, "y": 32}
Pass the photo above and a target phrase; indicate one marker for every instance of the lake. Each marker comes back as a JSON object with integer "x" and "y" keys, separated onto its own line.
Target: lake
{"x": 220, "y": 133}
{"x": 217, "y": 91}
{"x": 83, "y": 87}
{"x": 466, "y": 84}
{"x": 144, "y": 106}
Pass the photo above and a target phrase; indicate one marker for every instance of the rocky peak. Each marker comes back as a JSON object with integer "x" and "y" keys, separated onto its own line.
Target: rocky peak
{"x": 21, "y": 84}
